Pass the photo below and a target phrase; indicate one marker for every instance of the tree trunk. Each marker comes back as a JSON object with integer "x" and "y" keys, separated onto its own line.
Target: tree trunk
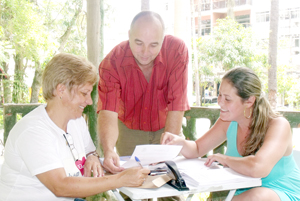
{"x": 195, "y": 52}
{"x": 36, "y": 83}
{"x": 101, "y": 30}
{"x": 230, "y": 8}
{"x": 199, "y": 17}
{"x": 272, "y": 60}
{"x": 64, "y": 38}
{"x": 19, "y": 86}
{"x": 93, "y": 52}
{"x": 95, "y": 40}
{"x": 199, "y": 35}
{"x": 145, "y": 5}
{"x": 6, "y": 85}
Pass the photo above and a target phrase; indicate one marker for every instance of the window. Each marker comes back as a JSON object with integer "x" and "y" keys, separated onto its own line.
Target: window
{"x": 295, "y": 13}
{"x": 217, "y": 4}
{"x": 290, "y": 13}
{"x": 263, "y": 16}
{"x": 243, "y": 19}
{"x": 205, "y": 5}
{"x": 205, "y": 27}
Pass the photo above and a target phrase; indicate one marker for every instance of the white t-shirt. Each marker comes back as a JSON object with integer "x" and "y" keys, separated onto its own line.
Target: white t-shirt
{"x": 36, "y": 145}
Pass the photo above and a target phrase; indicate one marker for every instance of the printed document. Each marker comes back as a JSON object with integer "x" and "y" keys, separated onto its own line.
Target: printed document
{"x": 195, "y": 173}
{"x": 149, "y": 154}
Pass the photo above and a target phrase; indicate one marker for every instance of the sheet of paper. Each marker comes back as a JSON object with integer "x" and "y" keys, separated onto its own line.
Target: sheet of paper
{"x": 195, "y": 173}
{"x": 149, "y": 154}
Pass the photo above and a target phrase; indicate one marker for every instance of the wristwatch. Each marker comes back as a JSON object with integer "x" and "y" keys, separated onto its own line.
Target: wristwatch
{"x": 93, "y": 153}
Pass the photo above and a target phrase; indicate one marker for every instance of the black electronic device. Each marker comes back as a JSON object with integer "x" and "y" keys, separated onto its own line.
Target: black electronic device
{"x": 177, "y": 181}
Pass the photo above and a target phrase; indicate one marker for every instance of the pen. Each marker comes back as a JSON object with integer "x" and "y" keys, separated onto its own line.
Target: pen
{"x": 138, "y": 161}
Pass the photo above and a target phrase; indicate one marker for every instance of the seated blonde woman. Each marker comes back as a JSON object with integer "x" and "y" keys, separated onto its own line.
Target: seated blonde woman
{"x": 259, "y": 141}
{"x": 49, "y": 154}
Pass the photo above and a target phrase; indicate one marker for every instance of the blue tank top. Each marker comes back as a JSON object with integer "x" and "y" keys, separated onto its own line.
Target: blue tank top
{"x": 284, "y": 178}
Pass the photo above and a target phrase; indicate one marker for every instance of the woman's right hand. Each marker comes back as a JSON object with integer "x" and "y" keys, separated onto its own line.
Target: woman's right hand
{"x": 133, "y": 177}
{"x": 171, "y": 139}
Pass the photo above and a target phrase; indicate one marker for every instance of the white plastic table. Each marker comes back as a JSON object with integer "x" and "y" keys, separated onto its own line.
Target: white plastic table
{"x": 166, "y": 190}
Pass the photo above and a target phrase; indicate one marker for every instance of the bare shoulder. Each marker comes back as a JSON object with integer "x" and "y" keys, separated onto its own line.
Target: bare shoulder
{"x": 279, "y": 126}
{"x": 279, "y": 135}
{"x": 279, "y": 121}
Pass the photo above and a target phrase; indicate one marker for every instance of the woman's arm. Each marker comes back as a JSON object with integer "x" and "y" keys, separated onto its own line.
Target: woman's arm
{"x": 192, "y": 149}
{"x": 277, "y": 143}
{"x": 62, "y": 186}
{"x": 215, "y": 136}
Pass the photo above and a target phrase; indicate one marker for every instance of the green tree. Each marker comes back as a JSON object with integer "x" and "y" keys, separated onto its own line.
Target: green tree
{"x": 25, "y": 31}
{"x": 230, "y": 45}
{"x": 66, "y": 23}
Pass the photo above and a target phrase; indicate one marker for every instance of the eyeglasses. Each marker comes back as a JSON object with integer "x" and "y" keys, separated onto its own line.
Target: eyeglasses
{"x": 70, "y": 143}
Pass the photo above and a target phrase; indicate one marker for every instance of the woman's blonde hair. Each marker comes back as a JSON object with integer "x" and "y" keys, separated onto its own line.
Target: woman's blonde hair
{"x": 69, "y": 70}
{"x": 248, "y": 84}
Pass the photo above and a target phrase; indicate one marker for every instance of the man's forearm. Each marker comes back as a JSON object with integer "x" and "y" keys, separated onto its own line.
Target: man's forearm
{"x": 108, "y": 129}
{"x": 174, "y": 122}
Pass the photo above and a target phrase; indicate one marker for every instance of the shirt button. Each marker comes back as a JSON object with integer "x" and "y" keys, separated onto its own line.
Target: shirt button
{"x": 144, "y": 122}
{"x": 145, "y": 108}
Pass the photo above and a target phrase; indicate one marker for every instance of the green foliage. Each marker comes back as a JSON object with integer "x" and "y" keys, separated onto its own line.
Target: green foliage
{"x": 59, "y": 17}
{"x": 293, "y": 91}
{"x": 285, "y": 81}
{"x": 35, "y": 32}
{"x": 229, "y": 46}
{"x": 1, "y": 117}
{"x": 24, "y": 27}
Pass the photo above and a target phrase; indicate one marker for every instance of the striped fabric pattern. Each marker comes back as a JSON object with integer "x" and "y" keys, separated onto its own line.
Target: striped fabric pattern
{"x": 140, "y": 105}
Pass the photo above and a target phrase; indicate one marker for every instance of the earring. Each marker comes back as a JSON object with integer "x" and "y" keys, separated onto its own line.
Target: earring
{"x": 60, "y": 97}
{"x": 249, "y": 114}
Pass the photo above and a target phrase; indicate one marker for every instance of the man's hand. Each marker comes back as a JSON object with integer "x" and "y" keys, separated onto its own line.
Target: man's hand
{"x": 112, "y": 162}
{"x": 92, "y": 164}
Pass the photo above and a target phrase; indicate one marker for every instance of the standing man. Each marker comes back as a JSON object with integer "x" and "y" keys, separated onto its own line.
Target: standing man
{"x": 142, "y": 89}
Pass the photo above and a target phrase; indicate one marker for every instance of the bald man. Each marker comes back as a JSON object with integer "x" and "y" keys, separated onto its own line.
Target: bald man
{"x": 142, "y": 89}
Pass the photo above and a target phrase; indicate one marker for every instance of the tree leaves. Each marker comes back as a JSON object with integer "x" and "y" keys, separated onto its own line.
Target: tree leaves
{"x": 229, "y": 45}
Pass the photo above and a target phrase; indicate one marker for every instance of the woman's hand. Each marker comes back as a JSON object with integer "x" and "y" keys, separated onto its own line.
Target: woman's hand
{"x": 220, "y": 158}
{"x": 171, "y": 139}
{"x": 92, "y": 164}
{"x": 133, "y": 177}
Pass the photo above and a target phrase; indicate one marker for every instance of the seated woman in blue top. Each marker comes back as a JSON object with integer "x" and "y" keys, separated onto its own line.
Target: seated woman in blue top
{"x": 259, "y": 141}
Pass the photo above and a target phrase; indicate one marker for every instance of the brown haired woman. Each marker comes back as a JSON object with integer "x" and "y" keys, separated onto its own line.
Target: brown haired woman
{"x": 259, "y": 141}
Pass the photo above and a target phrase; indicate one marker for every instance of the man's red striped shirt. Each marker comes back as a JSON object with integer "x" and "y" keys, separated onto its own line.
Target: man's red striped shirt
{"x": 140, "y": 105}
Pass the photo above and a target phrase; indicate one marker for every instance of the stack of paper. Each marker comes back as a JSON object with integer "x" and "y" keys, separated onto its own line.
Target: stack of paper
{"x": 149, "y": 154}
{"x": 195, "y": 173}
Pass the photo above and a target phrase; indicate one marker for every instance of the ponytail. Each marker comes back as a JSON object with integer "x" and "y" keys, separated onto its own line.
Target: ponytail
{"x": 262, "y": 114}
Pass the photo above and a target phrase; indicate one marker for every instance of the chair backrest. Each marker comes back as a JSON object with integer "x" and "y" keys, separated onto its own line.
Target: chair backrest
{"x": 296, "y": 154}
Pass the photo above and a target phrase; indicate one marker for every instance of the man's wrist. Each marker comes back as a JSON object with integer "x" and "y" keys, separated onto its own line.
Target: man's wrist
{"x": 94, "y": 153}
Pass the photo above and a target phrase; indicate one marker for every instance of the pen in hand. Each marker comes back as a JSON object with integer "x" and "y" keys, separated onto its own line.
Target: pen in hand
{"x": 138, "y": 161}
